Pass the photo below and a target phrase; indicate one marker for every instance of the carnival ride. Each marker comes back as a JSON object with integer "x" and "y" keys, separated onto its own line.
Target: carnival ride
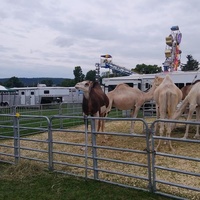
{"x": 106, "y": 62}
{"x": 172, "y": 50}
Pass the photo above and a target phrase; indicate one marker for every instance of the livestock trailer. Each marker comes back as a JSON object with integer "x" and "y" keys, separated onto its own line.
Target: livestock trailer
{"x": 43, "y": 94}
{"x": 144, "y": 81}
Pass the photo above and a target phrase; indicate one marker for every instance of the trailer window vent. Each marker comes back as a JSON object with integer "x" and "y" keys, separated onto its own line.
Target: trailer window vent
{"x": 46, "y": 91}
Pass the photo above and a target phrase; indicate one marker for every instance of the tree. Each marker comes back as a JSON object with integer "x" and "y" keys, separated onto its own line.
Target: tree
{"x": 68, "y": 83}
{"x": 191, "y": 65}
{"x": 147, "y": 69}
{"x": 91, "y": 75}
{"x": 78, "y": 74}
{"x": 47, "y": 82}
{"x": 13, "y": 82}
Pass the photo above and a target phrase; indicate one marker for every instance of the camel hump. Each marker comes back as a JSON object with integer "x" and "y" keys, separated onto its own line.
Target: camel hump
{"x": 168, "y": 79}
{"x": 122, "y": 85}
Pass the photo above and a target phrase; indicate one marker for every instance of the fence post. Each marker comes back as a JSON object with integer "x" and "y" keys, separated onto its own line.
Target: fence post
{"x": 16, "y": 138}
{"x": 153, "y": 158}
{"x": 94, "y": 150}
{"x": 60, "y": 113}
{"x": 86, "y": 146}
{"x": 50, "y": 144}
{"x": 13, "y": 110}
{"x": 149, "y": 153}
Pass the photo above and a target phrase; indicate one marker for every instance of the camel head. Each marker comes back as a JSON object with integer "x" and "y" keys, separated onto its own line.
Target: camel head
{"x": 87, "y": 87}
{"x": 84, "y": 86}
{"x": 157, "y": 80}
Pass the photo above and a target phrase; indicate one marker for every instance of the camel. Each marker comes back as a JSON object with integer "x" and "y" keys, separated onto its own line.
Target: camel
{"x": 193, "y": 99}
{"x": 95, "y": 101}
{"x": 124, "y": 97}
{"x": 186, "y": 89}
{"x": 166, "y": 96}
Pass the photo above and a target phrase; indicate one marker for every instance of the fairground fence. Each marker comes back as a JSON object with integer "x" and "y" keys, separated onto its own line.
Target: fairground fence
{"x": 114, "y": 156}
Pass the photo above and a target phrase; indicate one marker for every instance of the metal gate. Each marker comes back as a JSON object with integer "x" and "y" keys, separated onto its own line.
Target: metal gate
{"x": 113, "y": 156}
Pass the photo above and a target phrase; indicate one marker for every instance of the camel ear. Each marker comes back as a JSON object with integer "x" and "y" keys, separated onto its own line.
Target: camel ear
{"x": 95, "y": 83}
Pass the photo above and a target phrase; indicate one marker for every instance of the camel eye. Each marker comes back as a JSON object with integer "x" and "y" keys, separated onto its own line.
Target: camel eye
{"x": 87, "y": 84}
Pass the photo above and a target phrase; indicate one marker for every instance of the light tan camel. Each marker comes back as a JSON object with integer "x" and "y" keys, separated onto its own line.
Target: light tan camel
{"x": 124, "y": 97}
{"x": 167, "y": 96}
{"x": 185, "y": 90}
{"x": 193, "y": 99}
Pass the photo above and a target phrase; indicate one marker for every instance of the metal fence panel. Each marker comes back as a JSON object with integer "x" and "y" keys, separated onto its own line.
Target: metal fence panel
{"x": 109, "y": 156}
{"x": 180, "y": 172}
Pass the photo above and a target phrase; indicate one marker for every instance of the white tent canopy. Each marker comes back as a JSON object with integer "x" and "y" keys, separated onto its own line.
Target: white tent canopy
{"x": 5, "y": 92}
{"x": 4, "y": 89}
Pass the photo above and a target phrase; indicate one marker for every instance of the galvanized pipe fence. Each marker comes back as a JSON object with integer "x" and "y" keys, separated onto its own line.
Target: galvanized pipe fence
{"x": 87, "y": 153}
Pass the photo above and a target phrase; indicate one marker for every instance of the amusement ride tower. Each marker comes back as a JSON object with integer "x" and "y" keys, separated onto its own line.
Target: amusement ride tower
{"x": 172, "y": 50}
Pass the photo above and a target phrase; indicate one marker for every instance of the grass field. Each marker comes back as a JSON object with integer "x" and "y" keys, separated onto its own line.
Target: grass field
{"x": 28, "y": 181}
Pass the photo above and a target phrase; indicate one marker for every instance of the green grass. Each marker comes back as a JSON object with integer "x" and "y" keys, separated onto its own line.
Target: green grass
{"x": 49, "y": 111}
{"x": 30, "y": 182}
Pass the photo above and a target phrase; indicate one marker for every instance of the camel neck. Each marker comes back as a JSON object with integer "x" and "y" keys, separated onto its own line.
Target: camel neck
{"x": 149, "y": 95}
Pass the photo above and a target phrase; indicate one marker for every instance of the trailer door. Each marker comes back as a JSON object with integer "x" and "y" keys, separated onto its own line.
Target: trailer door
{"x": 23, "y": 97}
{"x": 32, "y": 97}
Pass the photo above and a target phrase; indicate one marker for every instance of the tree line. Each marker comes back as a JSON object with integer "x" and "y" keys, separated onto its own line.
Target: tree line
{"x": 191, "y": 65}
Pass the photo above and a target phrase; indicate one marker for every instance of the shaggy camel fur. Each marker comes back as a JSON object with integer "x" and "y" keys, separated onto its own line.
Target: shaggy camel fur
{"x": 167, "y": 96}
{"x": 193, "y": 99}
{"x": 95, "y": 101}
{"x": 124, "y": 97}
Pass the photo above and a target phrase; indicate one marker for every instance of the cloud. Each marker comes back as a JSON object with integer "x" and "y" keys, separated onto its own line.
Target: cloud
{"x": 4, "y": 49}
{"x": 41, "y": 37}
{"x": 63, "y": 42}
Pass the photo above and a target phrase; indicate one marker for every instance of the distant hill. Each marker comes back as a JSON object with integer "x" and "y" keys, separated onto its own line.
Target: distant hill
{"x": 35, "y": 81}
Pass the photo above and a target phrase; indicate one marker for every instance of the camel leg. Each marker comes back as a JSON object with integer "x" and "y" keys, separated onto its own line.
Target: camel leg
{"x": 159, "y": 141}
{"x": 197, "y": 136}
{"x": 171, "y": 111}
{"x": 102, "y": 126}
{"x": 158, "y": 116}
{"x": 161, "y": 131}
{"x": 169, "y": 130}
{"x": 132, "y": 122}
{"x": 97, "y": 122}
{"x": 191, "y": 111}
{"x": 103, "y": 113}
{"x": 162, "y": 115}
{"x": 156, "y": 125}
{"x": 134, "y": 115}
{"x": 103, "y": 121}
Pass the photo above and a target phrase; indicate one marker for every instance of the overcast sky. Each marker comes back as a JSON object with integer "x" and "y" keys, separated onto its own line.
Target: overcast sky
{"x": 48, "y": 38}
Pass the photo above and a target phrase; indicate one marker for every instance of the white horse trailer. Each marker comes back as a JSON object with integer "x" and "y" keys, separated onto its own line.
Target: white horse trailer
{"x": 144, "y": 81}
{"x": 43, "y": 94}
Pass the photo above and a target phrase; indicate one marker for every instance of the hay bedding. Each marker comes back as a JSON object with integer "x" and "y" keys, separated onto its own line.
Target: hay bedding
{"x": 182, "y": 148}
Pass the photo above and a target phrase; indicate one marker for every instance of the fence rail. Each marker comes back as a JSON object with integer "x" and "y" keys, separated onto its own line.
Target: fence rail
{"x": 112, "y": 156}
